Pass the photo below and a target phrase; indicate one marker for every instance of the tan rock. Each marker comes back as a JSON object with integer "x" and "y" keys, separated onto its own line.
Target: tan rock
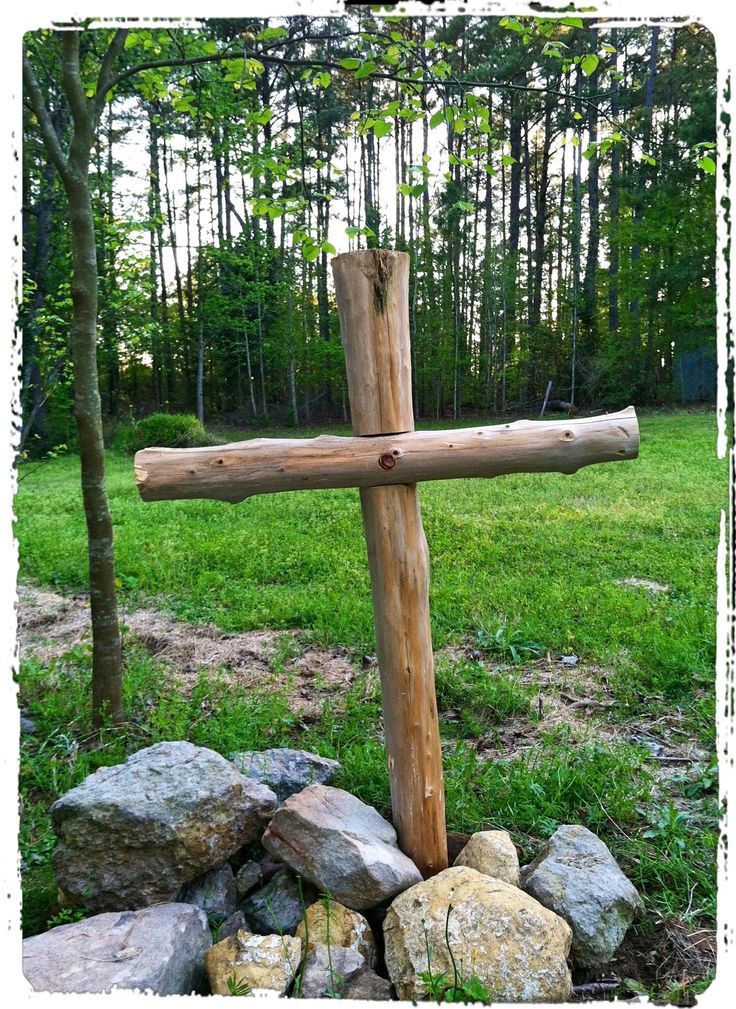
{"x": 515, "y": 947}
{"x": 331, "y": 924}
{"x": 493, "y": 853}
{"x": 265, "y": 963}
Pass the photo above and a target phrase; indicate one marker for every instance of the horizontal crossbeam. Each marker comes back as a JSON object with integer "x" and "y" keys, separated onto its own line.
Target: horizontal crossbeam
{"x": 268, "y": 465}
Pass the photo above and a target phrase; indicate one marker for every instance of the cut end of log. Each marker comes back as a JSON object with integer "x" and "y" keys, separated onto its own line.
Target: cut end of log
{"x": 141, "y": 475}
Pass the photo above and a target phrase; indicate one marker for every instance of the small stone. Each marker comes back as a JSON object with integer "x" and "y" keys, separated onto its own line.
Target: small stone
{"x": 341, "y": 845}
{"x": 231, "y": 925}
{"x": 286, "y": 771}
{"x": 247, "y": 878}
{"x": 214, "y": 892}
{"x": 516, "y": 948}
{"x": 260, "y": 963}
{"x": 27, "y": 726}
{"x": 493, "y": 853}
{"x": 278, "y": 906}
{"x": 132, "y": 834}
{"x": 327, "y": 969}
{"x": 329, "y": 923}
{"x": 160, "y": 948}
{"x": 577, "y": 877}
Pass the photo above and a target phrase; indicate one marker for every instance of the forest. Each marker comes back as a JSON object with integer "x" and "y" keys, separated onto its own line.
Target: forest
{"x": 551, "y": 179}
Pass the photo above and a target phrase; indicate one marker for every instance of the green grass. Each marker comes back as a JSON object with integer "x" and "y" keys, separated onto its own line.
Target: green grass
{"x": 517, "y": 563}
{"x": 538, "y": 553}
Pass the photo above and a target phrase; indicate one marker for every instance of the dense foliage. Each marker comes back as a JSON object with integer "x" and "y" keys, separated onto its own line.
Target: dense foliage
{"x": 552, "y": 182}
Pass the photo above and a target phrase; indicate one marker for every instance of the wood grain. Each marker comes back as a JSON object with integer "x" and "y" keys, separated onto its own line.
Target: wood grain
{"x": 268, "y": 465}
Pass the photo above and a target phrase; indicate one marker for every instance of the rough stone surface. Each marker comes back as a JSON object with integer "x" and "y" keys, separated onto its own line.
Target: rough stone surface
{"x": 516, "y": 947}
{"x": 333, "y": 924}
{"x": 342, "y": 845}
{"x": 131, "y": 835}
{"x": 576, "y": 876}
{"x": 214, "y": 892}
{"x": 232, "y": 925}
{"x": 161, "y": 948}
{"x": 493, "y": 853}
{"x": 286, "y": 771}
{"x": 328, "y": 969}
{"x": 277, "y": 907}
{"x": 369, "y": 987}
{"x": 266, "y": 963}
{"x": 247, "y": 878}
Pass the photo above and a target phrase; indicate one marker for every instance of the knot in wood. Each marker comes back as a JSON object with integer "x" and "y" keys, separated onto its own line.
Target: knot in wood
{"x": 386, "y": 461}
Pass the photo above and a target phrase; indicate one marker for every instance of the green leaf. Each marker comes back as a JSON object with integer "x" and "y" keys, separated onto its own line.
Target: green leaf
{"x": 708, "y": 165}
{"x": 577, "y": 115}
{"x": 507, "y": 159}
{"x": 310, "y": 251}
{"x": 131, "y": 39}
{"x": 589, "y": 63}
{"x": 381, "y": 128}
{"x": 590, "y": 151}
{"x": 437, "y": 118}
{"x": 350, "y": 63}
{"x": 606, "y": 48}
{"x": 459, "y": 124}
{"x": 351, "y": 231}
{"x": 271, "y": 33}
{"x": 571, "y": 22}
{"x": 329, "y": 248}
{"x": 575, "y": 141}
{"x": 322, "y": 79}
{"x": 366, "y": 69}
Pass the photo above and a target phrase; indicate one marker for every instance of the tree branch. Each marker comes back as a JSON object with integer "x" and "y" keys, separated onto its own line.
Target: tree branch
{"x": 106, "y": 67}
{"x": 72, "y": 79}
{"x": 41, "y": 112}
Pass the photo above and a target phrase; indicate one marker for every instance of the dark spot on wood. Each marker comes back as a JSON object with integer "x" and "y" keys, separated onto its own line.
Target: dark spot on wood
{"x": 386, "y": 461}
{"x": 220, "y": 462}
{"x": 378, "y": 270}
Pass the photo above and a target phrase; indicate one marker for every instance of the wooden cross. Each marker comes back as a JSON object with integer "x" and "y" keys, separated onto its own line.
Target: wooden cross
{"x": 386, "y": 459}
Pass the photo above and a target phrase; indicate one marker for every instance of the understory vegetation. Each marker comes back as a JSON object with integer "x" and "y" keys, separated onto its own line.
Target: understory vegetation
{"x": 558, "y": 681}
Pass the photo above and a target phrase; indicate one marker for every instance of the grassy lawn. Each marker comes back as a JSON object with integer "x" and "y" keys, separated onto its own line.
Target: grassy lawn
{"x": 528, "y": 560}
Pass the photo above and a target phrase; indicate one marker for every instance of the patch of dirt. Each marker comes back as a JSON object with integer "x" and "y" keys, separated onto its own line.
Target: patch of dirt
{"x": 50, "y": 624}
{"x": 642, "y": 583}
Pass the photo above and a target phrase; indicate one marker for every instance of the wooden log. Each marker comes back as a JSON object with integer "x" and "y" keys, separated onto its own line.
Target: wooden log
{"x": 268, "y": 465}
{"x": 372, "y": 290}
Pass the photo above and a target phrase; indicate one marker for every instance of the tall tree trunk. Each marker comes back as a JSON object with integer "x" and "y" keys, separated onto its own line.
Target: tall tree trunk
{"x": 588, "y": 308}
{"x": 74, "y": 171}
{"x": 613, "y": 209}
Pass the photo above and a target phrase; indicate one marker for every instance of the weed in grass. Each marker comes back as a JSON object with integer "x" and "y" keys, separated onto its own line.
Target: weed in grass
{"x": 507, "y": 645}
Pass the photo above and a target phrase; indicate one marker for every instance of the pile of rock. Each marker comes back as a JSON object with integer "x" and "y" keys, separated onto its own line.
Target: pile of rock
{"x": 254, "y": 875}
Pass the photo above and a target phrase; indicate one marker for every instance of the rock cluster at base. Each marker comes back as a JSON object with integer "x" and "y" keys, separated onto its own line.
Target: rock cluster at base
{"x": 161, "y": 948}
{"x": 286, "y": 771}
{"x": 577, "y": 877}
{"x": 514, "y": 946}
{"x": 493, "y": 853}
{"x": 265, "y": 963}
{"x": 133, "y": 834}
{"x": 341, "y": 845}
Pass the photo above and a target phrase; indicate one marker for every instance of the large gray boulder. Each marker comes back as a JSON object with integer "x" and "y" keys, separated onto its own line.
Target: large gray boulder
{"x": 161, "y": 948}
{"x": 341, "y": 845}
{"x": 286, "y": 771}
{"x": 577, "y": 877}
{"x": 133, "y": 834}
{"x": 515, "y": 947}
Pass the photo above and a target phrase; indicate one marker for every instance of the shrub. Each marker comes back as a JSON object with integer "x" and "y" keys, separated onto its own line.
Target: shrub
{"x": 164, "y": 430}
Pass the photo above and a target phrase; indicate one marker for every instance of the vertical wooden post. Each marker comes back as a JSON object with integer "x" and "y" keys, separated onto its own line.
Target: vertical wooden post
{"x": 372, "y": 289}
